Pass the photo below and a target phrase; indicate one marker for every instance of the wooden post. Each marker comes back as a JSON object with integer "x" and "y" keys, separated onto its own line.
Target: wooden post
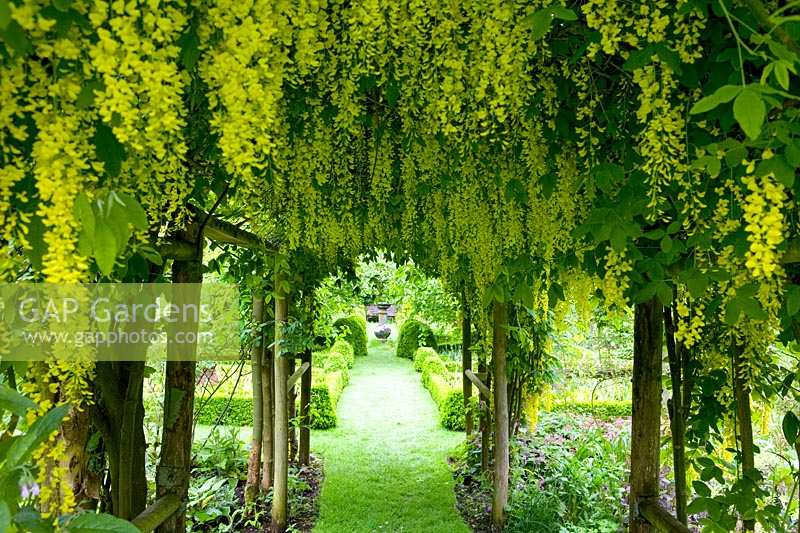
{"x": 256, "y": 355}
{"x": 174, "y": 467}
{"x": 466, "y": 360}
{"x": 741, "y": 393}
{"x": 646, "y": 420}
{"x": 268, "y": 416}
{"x": 292, "y": 409}
{"x": 281, "y": 441}
{"x": 305, "y": 404}
{"x": 676, "y": 415}
{"x": 486, "y": 419}
{"x": 500, "y": 480}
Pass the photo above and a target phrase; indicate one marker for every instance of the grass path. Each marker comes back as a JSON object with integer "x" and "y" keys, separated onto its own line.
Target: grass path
{"x": 385, "y": 466}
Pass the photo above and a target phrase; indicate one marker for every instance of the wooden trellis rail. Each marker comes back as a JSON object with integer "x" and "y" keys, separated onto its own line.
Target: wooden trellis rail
{"x": 157, "y": 513}
{"x": 651, "y": 510}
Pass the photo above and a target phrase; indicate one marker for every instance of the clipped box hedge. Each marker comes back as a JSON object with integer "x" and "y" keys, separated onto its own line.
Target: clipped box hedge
{"x": 353, "y": 329}
{"x": 225, "y": 410}
{"x": 440, "y": 382}
{"x": 330, "y": 373}
{"x": 607, "y": 409}
{"x": 421, "y": 354}
{"x": 414, "y": 334}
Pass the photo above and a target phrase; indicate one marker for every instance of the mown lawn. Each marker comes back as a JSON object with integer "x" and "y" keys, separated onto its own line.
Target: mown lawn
{"x": 385, "y": 463}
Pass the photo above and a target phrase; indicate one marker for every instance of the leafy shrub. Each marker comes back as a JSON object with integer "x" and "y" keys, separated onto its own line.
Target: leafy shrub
{"x": 451, "y": 410}
{"x": 353, "y": 329}
{"x": 414, "y": 334}
{"x": 420, "y": 355}
{"x": 325, "y": 393}
{"x": 225, "y": 410}
{"x": 606, "y": 409}
{"x": 321, "y": 411}
{"x": 440, "y": 383}
{"x": 433, "y": 364}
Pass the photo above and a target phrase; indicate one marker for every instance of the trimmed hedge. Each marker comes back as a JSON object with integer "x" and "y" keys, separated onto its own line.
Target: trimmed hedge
{"x": 440, "y": 383}
{"x": 420, "y": 355}
{"x": 414, "y": 334}
{"x": 599, "y": 409}
{"x": 353, "y": 329}
{"x": 212, "y": 411}
{"x": 339, "y": 357}
{"x": 331, "y": 374}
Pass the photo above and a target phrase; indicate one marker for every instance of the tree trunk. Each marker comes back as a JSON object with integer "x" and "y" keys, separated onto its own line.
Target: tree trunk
{"x": 281, "y": 442}
{"x": 305, "y": 404}
{"x": 256, "y": 355}
{"x": 646, "y": 420}
{"x": 500, "y": 481}
{"x": 741, "y": 392}
{"x": 466, "y": 360}
{"x": 267, "y": 398}
{"x": 174, "y": 467}
{"x": 676, "y": 416}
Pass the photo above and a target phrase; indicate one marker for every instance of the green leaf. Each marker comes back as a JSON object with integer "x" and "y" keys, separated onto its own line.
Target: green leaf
{"x": 793, "y": 300}
{"x": 5, "y": 517}
{"x": 5, "y": 14}
{"x": 86, "y": 97}
{"x": 190, "y": 48}
{"x": 540, "y": 21}
{"x": 105, "y": 249}
{"x": 135, "y": 212}
{"x": 524, "y": 294}
{"x": 16, "y": 39}
{"x": 607, "y": 176}
{"x": 724, "y": 94}
{"x": 701, "y": 489}
{"x": 108, "y": 149}
{"x": 23, "y": 446}
{"x": 11, "y": 400}
{"x": 750, "y": 111}
{"x": 777, "y": 166}
{"x": 84, "y": 214}
{"x": 791, "y": 427}
{"x": 62, "y": 5}
{"x": 666, "y": 244}
{"x": 38, "y": 246}
{"x": 100, "y": 523}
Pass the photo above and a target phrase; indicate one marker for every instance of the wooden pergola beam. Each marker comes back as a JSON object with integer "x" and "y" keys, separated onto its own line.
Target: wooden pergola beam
{"x": 160, "y": 510}
{"x": 219, "y": 230}
{"x": 292, "y": 381}
{"x": 650, "y": 509}
{"x": 484, "y": 390}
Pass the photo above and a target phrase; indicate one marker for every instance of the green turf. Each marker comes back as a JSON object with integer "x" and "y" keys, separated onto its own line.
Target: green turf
{"x": 385, "y": 463}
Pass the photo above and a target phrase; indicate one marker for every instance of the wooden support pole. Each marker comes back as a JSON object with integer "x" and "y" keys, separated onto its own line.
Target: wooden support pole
{"x": 268, "y": 415}
{"x": 482, "y": 389}
{"x": 296, "y": 375}
{"x": 485, "y": 420}
{"x": 744, "y": 417}
{"x": 174, "y": 467}
{"x": 659, "y": 517}
{"x": 501, "y": 423}
{"x": 676, "y": 415}
{"x": 281, "y": 394}
{"x": 256, "y": 356}
{"x": 292, "y": 399}
{"x": 466, "y": 360}
{"x": 155, "y": 514}
{"x": 648, "y": 337}
{"x": 305, "y": 405}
